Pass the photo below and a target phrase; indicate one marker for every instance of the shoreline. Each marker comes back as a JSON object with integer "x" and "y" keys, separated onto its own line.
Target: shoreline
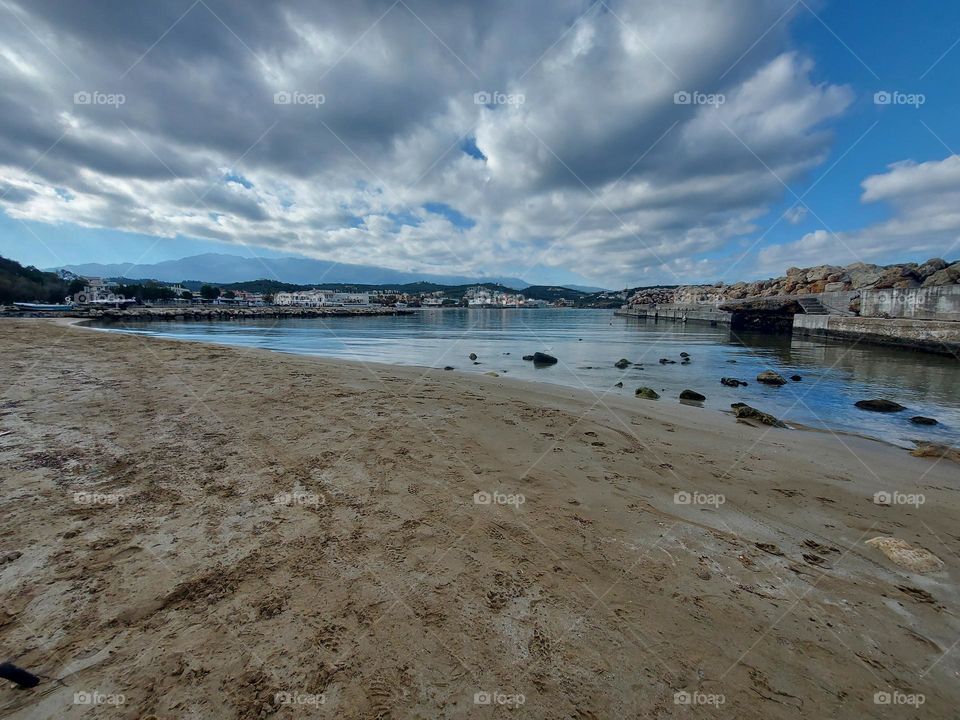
{"x": 587, "y": 395}
{"x": 295, "y": 524}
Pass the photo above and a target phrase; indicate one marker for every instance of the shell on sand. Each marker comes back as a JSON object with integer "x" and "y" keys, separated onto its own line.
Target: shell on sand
{"x": 915, "y": 559}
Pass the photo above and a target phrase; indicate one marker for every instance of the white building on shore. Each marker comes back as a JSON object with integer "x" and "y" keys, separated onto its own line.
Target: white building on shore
{"x": 321, "y": 298}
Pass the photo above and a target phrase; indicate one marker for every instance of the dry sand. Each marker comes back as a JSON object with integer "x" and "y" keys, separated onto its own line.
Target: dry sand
{"x": 148, "y": 554}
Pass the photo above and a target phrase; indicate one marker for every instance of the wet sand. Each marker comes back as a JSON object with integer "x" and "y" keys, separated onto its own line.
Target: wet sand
{"x": 195, "y": 531}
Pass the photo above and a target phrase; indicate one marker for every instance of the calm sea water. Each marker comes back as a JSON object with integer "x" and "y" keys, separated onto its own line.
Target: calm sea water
{"x": 589, "y": 342}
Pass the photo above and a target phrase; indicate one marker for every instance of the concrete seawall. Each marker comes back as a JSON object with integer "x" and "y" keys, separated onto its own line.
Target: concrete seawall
{"x": 678, "y": 313}
{"x": 938, "y": 336}
{"x": 929, "y": 303}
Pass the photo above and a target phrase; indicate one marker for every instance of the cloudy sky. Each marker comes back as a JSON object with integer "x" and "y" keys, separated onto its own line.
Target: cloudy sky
{"x": 607, "y": 143}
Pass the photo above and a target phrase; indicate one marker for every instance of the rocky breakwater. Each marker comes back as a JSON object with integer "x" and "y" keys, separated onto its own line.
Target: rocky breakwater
{"x": 935, "y": 272}
{"x": 858, "y": 276}
{"x": 218, "y": 312}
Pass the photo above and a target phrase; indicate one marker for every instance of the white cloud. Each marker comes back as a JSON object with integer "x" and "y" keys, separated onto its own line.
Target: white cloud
{"x": 598, "y": 172}
{"x": 925, "y": 221}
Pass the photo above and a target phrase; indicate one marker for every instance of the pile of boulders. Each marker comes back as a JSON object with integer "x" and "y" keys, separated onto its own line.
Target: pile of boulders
{"x": 653, "y": 296}
{"x": 858, "y": 276}
{"x": 803, "y": 281}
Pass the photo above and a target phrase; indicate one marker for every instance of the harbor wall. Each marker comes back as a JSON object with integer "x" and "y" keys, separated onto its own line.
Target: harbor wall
{"x": 678, "y": 313}
{"x": 939, "y": 336}
{"x": 925, "y": 303}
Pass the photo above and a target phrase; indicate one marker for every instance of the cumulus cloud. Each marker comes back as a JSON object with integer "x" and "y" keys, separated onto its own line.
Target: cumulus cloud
{"x": 924, "y": 199}
{"x": 585, "y": 162}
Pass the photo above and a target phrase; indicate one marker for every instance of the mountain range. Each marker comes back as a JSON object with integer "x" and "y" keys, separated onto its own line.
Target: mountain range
{"x": 221, "y": 268}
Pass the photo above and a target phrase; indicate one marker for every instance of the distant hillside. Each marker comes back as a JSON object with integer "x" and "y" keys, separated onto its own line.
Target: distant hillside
{"x": 219, "y": 269}
{"x": 273, "y": 287}
{"x": 552, "y": 293}
{"x": 28, "y": 284}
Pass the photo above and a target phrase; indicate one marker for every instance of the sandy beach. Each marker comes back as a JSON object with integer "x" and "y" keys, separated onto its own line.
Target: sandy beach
{"x": 196, "y": 531}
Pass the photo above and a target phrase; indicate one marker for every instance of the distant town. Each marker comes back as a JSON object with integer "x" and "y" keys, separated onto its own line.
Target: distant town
{"x": 98, "y": 291}
{"x": 21, "y": 285}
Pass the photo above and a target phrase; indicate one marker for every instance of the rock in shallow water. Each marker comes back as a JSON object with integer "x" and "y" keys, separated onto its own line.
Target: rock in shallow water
{"x": 769, "y": 377}
{"x": 731, "y": 382}
{"x": 622, "y": 364}
{"x": 921, "y": 420}
{"x": 880, "y": 405}
{"x": 647, "y": 393}
{"x": 692, "y": 395}
{"x": 540, "y": 358}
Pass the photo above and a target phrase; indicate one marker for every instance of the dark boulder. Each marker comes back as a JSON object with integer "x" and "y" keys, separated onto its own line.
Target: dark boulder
{"x": 472, "y": 356}
{"x": 796, "y": 378}
{"x": 731, "y": 382}
{"x": 528, "y": 358}
{"x": 921, "y": 420}
{"x": 449, "y": 367}
{"x": 769, "y": 377}
{"x": 880, "y": 405}
{"x": 647, "y": 393}
{"x": 745, "y": 412}
{"x": 667, "y": 361}
{"x": 540, "y": 358}
{"x": 622, "y": 364}
{"x": 692, "y": 395}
